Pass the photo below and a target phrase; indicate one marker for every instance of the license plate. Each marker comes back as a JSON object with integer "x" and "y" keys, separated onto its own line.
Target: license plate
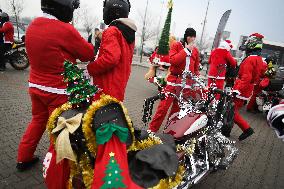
{"x": 267, "y": 107}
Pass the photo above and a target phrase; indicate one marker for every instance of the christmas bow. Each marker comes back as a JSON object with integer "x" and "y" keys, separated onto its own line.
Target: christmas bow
{"x": 63, "y": 146}
{"x": 104, "y": 134}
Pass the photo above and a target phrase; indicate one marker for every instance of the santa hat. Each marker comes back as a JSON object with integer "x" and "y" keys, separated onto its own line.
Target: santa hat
{"x": 227, "y": 44}
{"x": 257, "y": 35}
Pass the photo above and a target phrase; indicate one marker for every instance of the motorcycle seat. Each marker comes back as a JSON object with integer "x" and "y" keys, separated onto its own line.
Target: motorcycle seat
{"x": 275, "y": 85}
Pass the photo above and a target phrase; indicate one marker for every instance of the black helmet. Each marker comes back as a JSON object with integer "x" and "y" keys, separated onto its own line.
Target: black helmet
{"x": 4, "y": 17}
{"x": 115, "y": 9}
{"x": 61, "y": 9}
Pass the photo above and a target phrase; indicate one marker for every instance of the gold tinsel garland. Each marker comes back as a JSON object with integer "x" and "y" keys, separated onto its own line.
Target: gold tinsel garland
{"x": 73, "y": 171}
{"x": 87, "y": 170}
{"x": 171, "y": 182}
{"x": 51, "y": 124}
{"x": 84, "y": 164}
{"x": 88, "y": 119}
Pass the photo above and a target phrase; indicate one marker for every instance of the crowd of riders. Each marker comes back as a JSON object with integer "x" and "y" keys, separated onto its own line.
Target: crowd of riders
{"x": 110, "y": 67}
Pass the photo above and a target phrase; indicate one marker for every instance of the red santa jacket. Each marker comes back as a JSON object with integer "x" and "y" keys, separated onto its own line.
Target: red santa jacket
{"x": 178, "y": 62}
{"x": 249, "y": 75}
{"x": 49, "y": 42}
{"x": 218, "y": 61}
{"x": 111, "y": 70}
{"x": 8, "y": 31}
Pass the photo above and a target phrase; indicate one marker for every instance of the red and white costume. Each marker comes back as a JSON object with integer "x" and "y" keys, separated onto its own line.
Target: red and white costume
{"x": 111, "y": 70}
{"x": 178, "y": 55}
{"x": 49, "y": 42}
{"x": 249, "y": 74}
{"x": 8, "y": 30}
{"x": 219, "y": 59}
{"x": 258, "y": 87}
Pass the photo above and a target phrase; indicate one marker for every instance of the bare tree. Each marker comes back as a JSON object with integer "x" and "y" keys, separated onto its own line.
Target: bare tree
{"x": 86, "y": 19}
{"x": 205, "y": 44}
{"x": 17, "y": 7}
{"x": 151, "y": 27}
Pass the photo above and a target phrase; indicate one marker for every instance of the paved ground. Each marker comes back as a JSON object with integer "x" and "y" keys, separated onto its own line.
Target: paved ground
{"x": 259, "y": 165}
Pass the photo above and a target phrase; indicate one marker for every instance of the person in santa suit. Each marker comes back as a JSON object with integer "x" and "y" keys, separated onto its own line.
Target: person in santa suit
{"x": 178, "y": 53}
{"x": 219, "y": 59}
{"x": 112, "y": 68}
{"x": 267, "y": 72}
{"x": 249, "y": 74}
{"x": 7, "y": 32}
{"x": 50, "y": 40}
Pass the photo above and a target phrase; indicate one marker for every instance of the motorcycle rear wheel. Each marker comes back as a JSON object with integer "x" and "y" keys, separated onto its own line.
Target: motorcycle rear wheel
{"x": 19, "y": 60}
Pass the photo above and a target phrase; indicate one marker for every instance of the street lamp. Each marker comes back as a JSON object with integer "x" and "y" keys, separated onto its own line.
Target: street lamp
{"x": 204, "y": 22}
{"x": 143, "y": 32}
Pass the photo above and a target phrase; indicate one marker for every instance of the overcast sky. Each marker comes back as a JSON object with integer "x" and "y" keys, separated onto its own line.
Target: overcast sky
{"x": 248, "y": 16}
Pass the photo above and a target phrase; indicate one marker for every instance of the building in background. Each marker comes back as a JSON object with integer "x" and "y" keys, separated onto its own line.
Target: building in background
{"x": 269, "y": 48}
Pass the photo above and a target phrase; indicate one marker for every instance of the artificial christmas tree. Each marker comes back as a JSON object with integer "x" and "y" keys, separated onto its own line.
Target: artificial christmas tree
{"x": 79, "y": 89}
{"x": 164, "y": 47}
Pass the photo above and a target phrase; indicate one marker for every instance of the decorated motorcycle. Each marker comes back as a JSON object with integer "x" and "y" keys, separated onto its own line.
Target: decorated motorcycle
{"x": 95, "y": 145}
{"x": 271, "y": 96}
{"x": 197, "y": 129}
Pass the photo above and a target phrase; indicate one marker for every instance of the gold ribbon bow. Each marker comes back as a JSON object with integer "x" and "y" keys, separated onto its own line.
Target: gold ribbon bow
{"x": 63, "y": 146}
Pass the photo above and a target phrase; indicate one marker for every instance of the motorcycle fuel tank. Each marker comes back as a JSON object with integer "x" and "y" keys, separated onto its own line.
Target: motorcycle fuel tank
{"x": 189, "y": 124}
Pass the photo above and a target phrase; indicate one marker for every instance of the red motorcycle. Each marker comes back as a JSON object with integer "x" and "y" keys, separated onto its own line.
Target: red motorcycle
{"x": 197, "y": 130}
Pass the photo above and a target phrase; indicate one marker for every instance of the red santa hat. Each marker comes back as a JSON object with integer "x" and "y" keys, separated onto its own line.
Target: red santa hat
{"x": 257, "y": 35}
{"x": 227, "y": 44}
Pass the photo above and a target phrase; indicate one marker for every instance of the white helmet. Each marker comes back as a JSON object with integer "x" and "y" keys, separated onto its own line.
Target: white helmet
{"x": 275, "y": 120}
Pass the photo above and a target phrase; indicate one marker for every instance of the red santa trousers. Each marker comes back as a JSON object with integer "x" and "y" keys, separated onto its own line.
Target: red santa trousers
{"x": 219, "y": 83}
{"x": 238, "y": 119}
{"x": 252, "y": 103}
{"x": 165, "y": 105}
{"x": 43, "y": 104}
{"x": 163, "y": 108}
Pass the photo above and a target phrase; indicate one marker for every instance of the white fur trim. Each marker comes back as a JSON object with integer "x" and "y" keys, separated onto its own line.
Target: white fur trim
{"x": 49, "y": 16}
{"x": 187, "y": 52}
{"x": 48, "y": 89}
{"x": 242, "y": 97}
{"x": 213, "y": 77}
{"x": 178, "y": 85}
{"x": 129, "y": 22}
{"x": 224, "y": 45}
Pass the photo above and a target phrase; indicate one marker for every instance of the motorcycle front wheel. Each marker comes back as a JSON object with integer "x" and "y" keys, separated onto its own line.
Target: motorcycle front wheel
{"x": 19, "y": 60}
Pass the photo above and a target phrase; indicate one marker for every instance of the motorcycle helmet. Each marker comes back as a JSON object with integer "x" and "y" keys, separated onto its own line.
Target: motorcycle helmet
{"x": 254, "y": 42}
{"x": 115, "y": 9}
{"x": 275, "y": 119}
{"x": 4, "y": 17}
{"x": 61, "y": 9}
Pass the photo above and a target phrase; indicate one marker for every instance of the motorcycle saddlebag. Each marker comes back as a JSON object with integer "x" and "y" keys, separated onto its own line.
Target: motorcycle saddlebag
{"x": 275, "y": 85}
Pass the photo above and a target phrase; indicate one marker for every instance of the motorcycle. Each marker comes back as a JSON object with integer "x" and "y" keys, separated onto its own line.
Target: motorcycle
{"x": 197, "y": 130}
{"x": 17, "y": 56}
{"x": 270, "y": 96}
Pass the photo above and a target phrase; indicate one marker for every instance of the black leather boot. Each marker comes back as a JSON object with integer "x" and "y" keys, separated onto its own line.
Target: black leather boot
{"x": 247, "y": 133}
{"x": 23, "y": 166}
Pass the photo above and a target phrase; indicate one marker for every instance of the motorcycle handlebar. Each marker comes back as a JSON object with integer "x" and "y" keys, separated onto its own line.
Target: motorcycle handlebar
{"x": 219, "y": 91}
